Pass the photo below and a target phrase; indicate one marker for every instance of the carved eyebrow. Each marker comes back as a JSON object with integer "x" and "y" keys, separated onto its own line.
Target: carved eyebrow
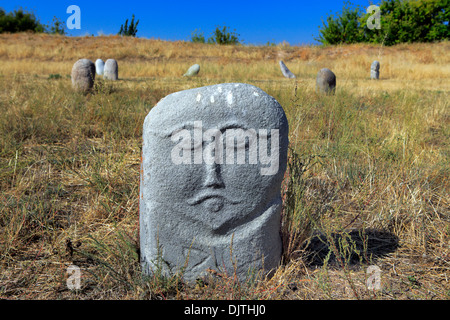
{"x": 233, "y": 125}
{"x": 190, "y": 126}
{"x": 167, "y": 133}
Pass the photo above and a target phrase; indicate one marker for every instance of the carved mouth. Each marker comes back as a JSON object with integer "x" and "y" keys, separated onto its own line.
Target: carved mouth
{"x": 212, "y": 201}
{"x": 214, "y": 204}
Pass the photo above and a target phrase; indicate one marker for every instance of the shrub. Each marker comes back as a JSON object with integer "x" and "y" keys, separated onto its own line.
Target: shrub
{"x": 129, "y": 30}
{"x": 223, "y": 36}
{"x": 197, "y": 36}
{"x": 58, "y": 27}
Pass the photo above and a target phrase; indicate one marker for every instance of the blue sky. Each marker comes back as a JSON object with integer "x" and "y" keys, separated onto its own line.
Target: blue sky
{"x": 257, "y": 22}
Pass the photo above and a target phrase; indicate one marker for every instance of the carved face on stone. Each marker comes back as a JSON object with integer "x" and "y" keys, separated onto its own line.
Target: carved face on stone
{"x": 212, "y": 164}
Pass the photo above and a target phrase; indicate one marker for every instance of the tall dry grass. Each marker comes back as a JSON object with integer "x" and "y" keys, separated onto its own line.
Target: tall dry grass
{"x": 144, "y": 58}
{"x": 367, "y": 180}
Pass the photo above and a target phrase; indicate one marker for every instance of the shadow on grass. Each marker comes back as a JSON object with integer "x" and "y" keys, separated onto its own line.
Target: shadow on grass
{"x": 361, "y": 246}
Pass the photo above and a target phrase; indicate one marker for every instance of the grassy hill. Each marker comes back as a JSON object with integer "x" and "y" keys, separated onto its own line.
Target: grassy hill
{"x": 367, "y": 182}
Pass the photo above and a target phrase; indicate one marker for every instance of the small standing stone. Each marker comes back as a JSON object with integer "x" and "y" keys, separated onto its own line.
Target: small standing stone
{"x": 99, "y": 66}
{"x": 286, "y": 72}
{"x": 326, "y": 81}
{"x": 83, "y": 75}
{"x": 210, "y": 192}
{"x": 111, "y": 70}
{"x": 375, "y": 70}
{"x": 192, "y": 71}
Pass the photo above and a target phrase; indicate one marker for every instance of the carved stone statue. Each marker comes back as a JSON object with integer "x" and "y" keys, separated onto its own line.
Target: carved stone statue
{"x": 375, "y": 70}
{"x": 213, "y": 160}
{"x": 326, "y": 81}
{"x": 111, "y": 70}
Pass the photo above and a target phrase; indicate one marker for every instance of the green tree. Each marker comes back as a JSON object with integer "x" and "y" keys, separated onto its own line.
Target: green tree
{"x": 401, "y": 21}
{"x": 197, "y": 36}
{"x": 439, "y": 13}
{"x": 19, "y": 21}
{"x": 414, "y": 20}
{"x": 224, "y": 36}
{"x": 344, "y": 28}
{"x": 58, "y": 27}
{"x": 129, "y": 30}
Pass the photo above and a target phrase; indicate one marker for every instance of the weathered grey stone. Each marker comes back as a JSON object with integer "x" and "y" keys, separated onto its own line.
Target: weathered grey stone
{"x": 111, "y": 70}
{"x": 326, "y": 81}
{"x": 286, "y": 72}
{"x": 201, "y": 205}
{"x": 375, "y": 70}
{"x": 99, "y": 66}
{"x": 83, "y": 75}
{"x": 192, "y": 71}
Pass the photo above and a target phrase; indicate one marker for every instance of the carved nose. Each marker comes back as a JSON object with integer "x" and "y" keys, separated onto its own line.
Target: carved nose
{"x": 213, "y": 176}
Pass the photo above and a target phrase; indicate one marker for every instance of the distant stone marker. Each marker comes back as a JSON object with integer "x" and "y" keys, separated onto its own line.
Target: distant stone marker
{"x": 192, "y": 71}
{"x": 286, "y": 72}
{"x": 375, "y": 70}
{"x": 83, "y": 75}
{"x": 99, "y": 66}
{"x": 111, "y": 70}
{"x": 326, "y": 81}
{"x": 210, "y": 186}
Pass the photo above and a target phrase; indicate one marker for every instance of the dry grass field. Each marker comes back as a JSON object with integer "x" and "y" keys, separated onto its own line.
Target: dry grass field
{"x": 367, "y": 181}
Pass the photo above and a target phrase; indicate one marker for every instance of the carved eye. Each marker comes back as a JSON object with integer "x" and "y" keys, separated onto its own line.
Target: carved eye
{"x": 241, "y": 139}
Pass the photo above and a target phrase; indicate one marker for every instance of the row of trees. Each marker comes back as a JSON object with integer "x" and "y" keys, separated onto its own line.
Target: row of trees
{"x": 22, "y": 21}
{"x": 399, "y": 21}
